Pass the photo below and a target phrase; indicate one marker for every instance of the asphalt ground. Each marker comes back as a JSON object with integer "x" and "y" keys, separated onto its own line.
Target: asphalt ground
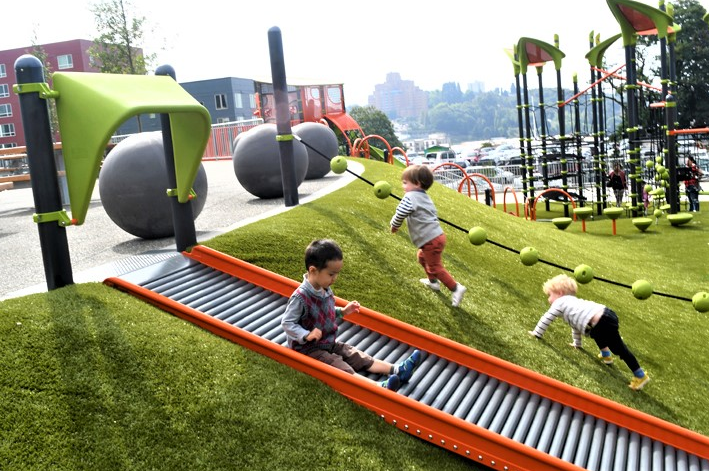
{"x": 99, "y": 248}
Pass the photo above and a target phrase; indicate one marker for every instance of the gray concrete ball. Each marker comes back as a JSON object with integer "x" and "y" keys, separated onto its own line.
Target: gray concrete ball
{"x": 133, "y": 183}
{"x": 257, "y": 162}
{"x": 320, "y": 139}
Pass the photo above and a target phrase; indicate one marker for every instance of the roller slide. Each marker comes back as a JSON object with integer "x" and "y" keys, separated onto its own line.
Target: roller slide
{"x": 468, "y": 402}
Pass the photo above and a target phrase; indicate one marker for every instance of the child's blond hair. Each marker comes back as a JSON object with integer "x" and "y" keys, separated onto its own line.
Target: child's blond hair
{"x": 561, "y": 284}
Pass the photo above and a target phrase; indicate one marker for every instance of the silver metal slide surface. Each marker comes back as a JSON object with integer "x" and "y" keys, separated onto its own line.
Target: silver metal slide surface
{"x": 550, "y": 427}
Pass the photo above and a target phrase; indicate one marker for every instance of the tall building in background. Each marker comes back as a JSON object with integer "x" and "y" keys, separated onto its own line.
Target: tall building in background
{"x": 399, "y": 98}
{"x": 476, "y": 87}
{"x": 62, "y": 56}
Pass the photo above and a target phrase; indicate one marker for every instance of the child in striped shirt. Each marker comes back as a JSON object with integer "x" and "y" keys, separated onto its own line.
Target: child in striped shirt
{"x": 591, "y": 319}
{"x": 417, "y": 208}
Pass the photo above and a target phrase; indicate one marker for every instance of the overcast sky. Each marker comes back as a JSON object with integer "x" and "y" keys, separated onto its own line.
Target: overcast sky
{"x": 356, "y": 43}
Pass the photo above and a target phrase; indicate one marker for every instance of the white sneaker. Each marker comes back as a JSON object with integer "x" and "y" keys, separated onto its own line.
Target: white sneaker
{"x": 457, "y": 296}
{"x": 434, "y": 285}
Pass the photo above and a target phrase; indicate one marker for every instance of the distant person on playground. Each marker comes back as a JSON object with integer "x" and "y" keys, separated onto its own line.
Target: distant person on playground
{"x": 617, "y": 181}
{"x": 417, "y": 208}
{"x": 591, "y": 319}
{"x": 691, "y": 184}
{"x": 310, "y": 320}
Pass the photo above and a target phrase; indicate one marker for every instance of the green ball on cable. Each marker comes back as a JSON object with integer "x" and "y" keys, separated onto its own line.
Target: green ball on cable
{"x": 338, "y": 164}
{"x": 477, "y": 235}
{"x": 642, "y": 289}
{"x": 700, "y": 301}
{"x": 529, "y": 256}
{"x": 583, "y": 274}
{"x": 382, "y": 189}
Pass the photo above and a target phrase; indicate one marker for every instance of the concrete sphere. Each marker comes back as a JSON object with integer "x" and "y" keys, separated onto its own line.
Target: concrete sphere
{"x": 132, "y": 186}
{"x": 320, "y": 137}
{"x": 257, "y": 162}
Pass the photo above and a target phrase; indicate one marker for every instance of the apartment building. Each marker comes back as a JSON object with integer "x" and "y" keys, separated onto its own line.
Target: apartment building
{"x": 62, "y": 56}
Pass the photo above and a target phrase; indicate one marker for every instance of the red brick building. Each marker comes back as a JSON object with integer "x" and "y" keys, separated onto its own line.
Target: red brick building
{"x": 62, "y": 56}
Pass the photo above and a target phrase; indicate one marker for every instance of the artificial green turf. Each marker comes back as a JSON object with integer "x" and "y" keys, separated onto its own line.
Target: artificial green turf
{"x": 95, "y": 379}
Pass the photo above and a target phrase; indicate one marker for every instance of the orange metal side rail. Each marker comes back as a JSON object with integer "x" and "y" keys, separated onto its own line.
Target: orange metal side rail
{"x": 492, "y": 366}
{"x": 408, "y": 415}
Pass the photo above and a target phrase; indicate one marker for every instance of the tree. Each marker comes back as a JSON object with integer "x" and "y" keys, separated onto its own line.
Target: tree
{"x": 374, "y": 121}
{"x": 692, "y": 64}
{"x": 692, "y": 51}
{"x": 116, "y": 50}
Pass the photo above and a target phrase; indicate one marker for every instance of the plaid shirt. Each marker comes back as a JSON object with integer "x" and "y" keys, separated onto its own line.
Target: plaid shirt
{"x": 694, "y": 181}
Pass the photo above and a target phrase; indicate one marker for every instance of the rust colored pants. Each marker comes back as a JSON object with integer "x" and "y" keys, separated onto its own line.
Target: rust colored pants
{"x": 429, "y": 256}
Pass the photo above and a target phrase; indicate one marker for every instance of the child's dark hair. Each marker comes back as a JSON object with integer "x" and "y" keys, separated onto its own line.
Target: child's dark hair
{"x": 418, "y": 175}
{"x": 320, "y": 252}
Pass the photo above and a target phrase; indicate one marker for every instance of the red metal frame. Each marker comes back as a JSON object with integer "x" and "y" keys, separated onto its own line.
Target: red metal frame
{"x": 425, "y": 422}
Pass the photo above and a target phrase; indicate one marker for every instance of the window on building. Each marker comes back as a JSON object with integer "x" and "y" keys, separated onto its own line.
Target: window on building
{"x": 252, "y": 100}
{"x": 220, "y": 101}
{"x": 5, "y": 110}
{"x": 8, "y": 145}
{"x": 222, "y": 120}
{"x": 65, "y": 61}
{"x": 238, "y": 102}
{"x": 4, "y": 90}
{"x": 7, "y": 130}
{"x": 3, "y": 71}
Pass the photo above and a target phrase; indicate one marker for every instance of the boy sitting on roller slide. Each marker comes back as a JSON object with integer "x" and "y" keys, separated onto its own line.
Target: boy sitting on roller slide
{"x": 310, "y": 320}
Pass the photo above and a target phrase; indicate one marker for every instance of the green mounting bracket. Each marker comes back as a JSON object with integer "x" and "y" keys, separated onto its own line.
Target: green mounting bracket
{"x": 172, "y": 192}
{"x": 284, "y": 137}
{"x": 60, "y": 216}
{"x": 40, "y": 88}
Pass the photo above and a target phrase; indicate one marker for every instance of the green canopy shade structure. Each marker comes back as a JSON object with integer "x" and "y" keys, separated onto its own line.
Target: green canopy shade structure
{"x": 535, "y": 52}
{"x": 637, "y": 18}
{"x": 595, "y": 55}
{"x": 91, "y": 106}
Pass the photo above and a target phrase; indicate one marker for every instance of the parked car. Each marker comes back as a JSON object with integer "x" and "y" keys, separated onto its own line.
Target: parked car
{"x": 494, "y": 174}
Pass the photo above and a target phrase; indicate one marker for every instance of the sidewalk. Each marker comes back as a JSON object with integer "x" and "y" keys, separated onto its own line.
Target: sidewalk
{"x": 99, "y": 248}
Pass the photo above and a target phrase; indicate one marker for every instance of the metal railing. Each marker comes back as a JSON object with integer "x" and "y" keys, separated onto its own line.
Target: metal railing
{"x": 221, "y": 139}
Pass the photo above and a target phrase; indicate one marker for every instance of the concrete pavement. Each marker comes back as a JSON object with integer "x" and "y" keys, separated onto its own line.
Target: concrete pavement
{"x": 99, "y": 248}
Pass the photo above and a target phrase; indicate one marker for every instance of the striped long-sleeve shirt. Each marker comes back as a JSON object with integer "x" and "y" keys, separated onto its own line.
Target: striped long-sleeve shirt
{"x": 417, "y": 208}
{"x": 575, "y": 312}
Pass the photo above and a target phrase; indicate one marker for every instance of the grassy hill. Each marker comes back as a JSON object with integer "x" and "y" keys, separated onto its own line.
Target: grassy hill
{"x": 94, "y": 379}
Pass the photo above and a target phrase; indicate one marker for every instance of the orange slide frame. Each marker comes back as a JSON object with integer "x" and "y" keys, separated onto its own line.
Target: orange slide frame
{"x": 423, "y": 421}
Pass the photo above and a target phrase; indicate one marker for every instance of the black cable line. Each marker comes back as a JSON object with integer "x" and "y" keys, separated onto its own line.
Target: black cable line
{"x": 497, "y": 244}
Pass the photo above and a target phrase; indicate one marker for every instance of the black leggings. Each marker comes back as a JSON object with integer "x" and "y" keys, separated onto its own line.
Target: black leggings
{"x": 606, "y": 334}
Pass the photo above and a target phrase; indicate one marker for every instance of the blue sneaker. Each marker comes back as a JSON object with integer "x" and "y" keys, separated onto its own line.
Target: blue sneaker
{"x": 407, "y": 367}
{"x": 392, "y": 383}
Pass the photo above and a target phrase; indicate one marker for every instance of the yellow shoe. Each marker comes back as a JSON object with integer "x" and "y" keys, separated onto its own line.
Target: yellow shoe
{"x": 607, "y": 360}
{"x": 636, "y": 384}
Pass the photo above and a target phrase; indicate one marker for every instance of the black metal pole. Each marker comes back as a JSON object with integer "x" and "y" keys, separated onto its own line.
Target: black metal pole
{"x": 528, "y": 127}
{"x": 520, "y": 123}
{"x": 562, "y": 138}
{"x": 543, "y": 118}
{"x": 670, "y": 118}
{"x": 633, "y": 147}
{"x": 596, "y": 144}
{"x": 182, "y": 215}
{"x": 43, "y": 172}
{"x": 602, "y": 137}
{"x": 579, "y": 149}
{"x": 283, "y": 127}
